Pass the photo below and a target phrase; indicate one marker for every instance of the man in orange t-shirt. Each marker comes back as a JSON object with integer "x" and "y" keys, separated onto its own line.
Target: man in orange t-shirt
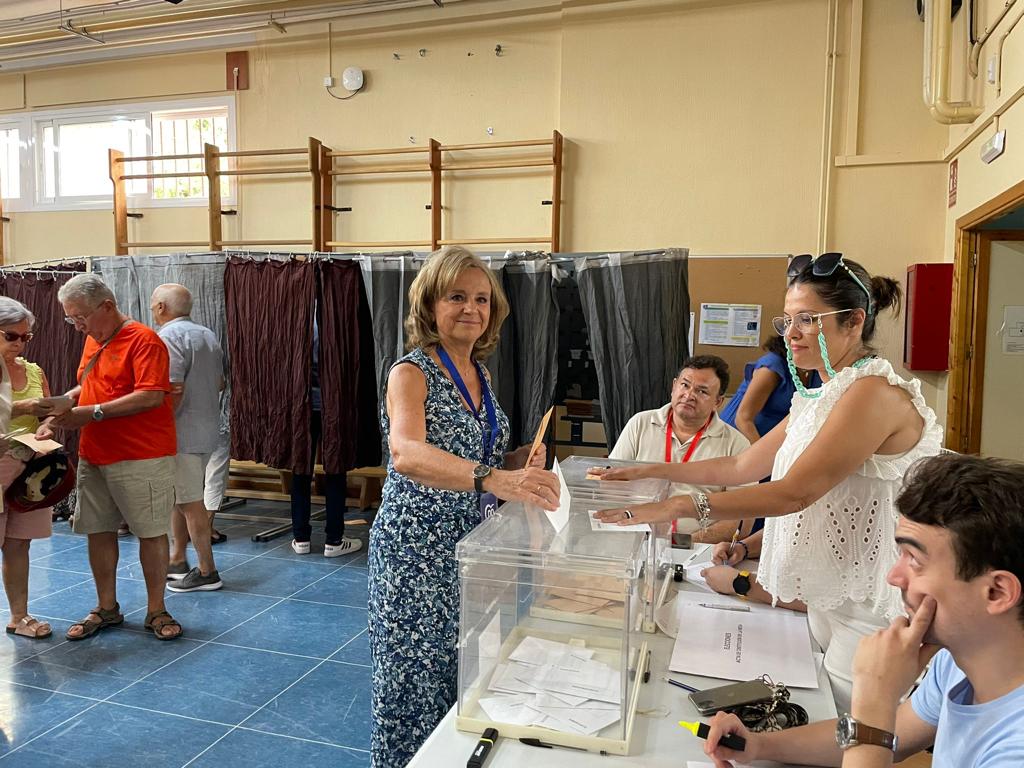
{"x": 127, "y": 449}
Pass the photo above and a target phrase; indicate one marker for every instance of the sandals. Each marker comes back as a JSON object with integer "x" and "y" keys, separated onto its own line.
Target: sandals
{"x": 218, "y": 538}
{"x": 104, "y": 617}
{"x": 31, "y": 628}
{"x": 156, "y": 626}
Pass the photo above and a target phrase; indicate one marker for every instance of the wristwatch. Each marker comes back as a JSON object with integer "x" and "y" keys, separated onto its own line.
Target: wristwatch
{"x": 480, "y": 473}
{"x": 850, "y": 733}
{"x": 741, "y": 584}
{"x": 97, "y": 412}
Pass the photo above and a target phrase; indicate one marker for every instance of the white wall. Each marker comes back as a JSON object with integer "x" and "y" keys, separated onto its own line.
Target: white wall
{"x": 1002, "y": 417}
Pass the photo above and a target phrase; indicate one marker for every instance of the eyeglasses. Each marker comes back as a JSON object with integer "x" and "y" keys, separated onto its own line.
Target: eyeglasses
{"x": 25, "y": 337}
{"x": 805, "y": 321}
{"x": 824, "y": 266}
{"x": 76, "y": 319}
{"x": 701, "y": 392}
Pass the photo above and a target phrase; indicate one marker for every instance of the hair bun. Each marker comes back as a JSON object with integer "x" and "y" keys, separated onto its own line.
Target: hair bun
{"x": 885, "y": 294}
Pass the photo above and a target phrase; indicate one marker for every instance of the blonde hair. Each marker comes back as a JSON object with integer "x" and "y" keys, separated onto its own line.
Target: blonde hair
{"x": 437, "y": 276}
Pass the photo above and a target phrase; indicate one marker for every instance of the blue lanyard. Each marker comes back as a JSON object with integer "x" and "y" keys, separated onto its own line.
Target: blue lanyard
{"x": 491, "y": 436}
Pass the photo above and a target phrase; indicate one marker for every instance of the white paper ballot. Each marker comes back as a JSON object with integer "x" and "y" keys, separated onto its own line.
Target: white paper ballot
{"x": 734, "y": 645}
{"x": 597, "y": 525}
{"x": 537, "y": 652}
{"x": 560, "y": 516}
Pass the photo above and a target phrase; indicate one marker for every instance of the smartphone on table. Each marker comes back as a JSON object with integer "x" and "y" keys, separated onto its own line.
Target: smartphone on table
{"x": 729, "y": 696}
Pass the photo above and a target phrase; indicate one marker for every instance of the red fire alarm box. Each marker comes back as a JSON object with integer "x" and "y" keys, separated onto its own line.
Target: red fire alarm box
{"x": 929, "y": 301}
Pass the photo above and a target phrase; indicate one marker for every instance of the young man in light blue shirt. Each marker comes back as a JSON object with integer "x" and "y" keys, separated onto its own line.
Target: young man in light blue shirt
{"x": 960, "y": 569}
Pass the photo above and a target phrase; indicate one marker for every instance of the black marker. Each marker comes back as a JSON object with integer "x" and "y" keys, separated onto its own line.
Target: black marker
{"x": 483, "y": 748}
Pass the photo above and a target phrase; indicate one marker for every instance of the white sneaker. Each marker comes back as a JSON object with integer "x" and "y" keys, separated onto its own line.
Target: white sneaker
{"x": 347, "y": 547}
{"x": 300, "y": 547}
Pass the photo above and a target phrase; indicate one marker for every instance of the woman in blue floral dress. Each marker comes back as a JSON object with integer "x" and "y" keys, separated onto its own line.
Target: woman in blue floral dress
{"x": 448, "y": 437}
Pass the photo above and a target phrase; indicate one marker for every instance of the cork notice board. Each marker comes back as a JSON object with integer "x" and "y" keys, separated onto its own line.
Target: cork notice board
{"x": 737, "y": 280}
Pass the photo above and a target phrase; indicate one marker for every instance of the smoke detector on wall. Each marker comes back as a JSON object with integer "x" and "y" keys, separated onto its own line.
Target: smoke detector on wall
{"x": 352, "y": 78}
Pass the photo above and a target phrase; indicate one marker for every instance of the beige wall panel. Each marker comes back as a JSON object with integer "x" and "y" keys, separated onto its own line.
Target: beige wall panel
{"x": 445, "y": 94}
{"x": 12, "y": 92}
{"x": 136, "y": 79}
{"x": 699, "y": 128}
{"x": 34, "y": 236}
{"x": 894, "y": 118}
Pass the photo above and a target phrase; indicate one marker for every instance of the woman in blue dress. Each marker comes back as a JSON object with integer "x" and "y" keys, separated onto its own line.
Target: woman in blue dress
{"x": 447, "y": 436}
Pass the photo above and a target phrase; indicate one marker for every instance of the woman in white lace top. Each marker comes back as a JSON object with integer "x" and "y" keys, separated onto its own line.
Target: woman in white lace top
{"x": 836, "y": 463}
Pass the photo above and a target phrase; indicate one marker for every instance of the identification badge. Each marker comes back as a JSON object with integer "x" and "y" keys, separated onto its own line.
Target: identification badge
{"x": 488, "y": 505}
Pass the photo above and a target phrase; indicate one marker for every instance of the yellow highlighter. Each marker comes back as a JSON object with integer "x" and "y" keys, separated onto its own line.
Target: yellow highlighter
{"x": 730, "y": 740}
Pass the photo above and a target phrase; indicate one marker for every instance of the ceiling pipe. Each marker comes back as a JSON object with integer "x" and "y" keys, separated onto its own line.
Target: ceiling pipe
{"x": 165, "y": 19}
{"x": 975, "y": 57}
{"x": 938, "y": 47}
{"x": 239, "y": 27}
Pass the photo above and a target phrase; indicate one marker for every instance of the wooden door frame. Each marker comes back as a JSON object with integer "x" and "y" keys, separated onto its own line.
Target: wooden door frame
{"x": 969, "y": 315}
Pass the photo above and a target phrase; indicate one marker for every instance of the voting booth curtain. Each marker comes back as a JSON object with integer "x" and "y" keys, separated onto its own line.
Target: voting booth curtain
{"x": 524, "y": 366}
{"x": 261, "y": 307}
{"x": 134, "y": 278}
{"x": 56, "y": 346}
{"x": 637, "y": 308}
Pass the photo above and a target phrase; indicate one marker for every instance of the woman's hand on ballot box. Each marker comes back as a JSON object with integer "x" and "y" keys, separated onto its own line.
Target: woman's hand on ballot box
{"x": 662, "y": 512}
{"x": 618, "y": 473}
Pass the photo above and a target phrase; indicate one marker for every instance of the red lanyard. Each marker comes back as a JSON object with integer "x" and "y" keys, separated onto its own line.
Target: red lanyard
{"x": 693, "y": 442}
{"x": 689, "y": 451}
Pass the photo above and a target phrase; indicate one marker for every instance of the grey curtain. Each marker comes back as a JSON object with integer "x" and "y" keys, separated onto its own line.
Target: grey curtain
{"x": 637, "y": 309}
{"x": 133, "y": 279}
{"x": 530, "y": 339}
{"x": 523, "y": 367}
{"x": 386, "y": 279}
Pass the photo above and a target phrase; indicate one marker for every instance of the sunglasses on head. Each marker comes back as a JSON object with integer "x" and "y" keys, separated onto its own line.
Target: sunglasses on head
{"x": 12, "y": 336}
{"x": 824, "y": 266}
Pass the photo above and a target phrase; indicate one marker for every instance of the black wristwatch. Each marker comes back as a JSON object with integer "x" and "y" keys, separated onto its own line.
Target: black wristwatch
{"x": 741, "y": 584}
{"x": 480, "y": 473}
{"x": 850, "y": 733}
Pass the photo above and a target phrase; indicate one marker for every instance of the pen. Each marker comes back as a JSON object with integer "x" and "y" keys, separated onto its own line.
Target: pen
{"x": 720, "y": 607}
{"x": 730, "y": 740}
{"x": 677, "y": 684}
{"x": 482, "y": 749}
{"x": 647, "y": 669}
{"x": 545, "y": 745}
{"x": 732, "y": 544}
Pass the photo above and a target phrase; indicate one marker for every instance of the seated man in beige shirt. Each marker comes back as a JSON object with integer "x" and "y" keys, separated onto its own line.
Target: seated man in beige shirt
{"x": 687, "y": 429}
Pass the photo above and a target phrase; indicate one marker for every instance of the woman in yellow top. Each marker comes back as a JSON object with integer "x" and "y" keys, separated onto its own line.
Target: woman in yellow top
{"x": 17, "y": 529}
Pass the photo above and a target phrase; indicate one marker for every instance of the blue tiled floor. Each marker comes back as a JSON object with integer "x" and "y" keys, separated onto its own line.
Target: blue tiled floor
{"x": 273, "y": 669}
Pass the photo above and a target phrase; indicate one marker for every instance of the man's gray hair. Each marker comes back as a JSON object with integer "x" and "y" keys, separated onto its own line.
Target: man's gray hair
{"x": 176, "y": 298}
{"x": 13, "y": 312}
{"x": 88, "y": 289}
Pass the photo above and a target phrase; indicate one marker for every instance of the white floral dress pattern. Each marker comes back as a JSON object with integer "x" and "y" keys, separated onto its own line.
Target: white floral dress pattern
{"x": 414, "y": 586}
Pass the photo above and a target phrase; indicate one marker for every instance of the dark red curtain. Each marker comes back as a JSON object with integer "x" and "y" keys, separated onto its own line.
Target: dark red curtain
{"x": 269, "y": 306}
{"x": 348, "y": 382}
{"x": 56, "y": 346}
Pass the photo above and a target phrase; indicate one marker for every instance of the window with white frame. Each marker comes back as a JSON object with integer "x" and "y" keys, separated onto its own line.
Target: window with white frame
{"x": 10, "y": 162}
{"x": 75, "y": 160}
{"x": 53, "y": 160}
{"x": 186, "y": 132}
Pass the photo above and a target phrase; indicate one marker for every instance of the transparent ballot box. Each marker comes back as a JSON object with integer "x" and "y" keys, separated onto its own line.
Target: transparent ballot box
{"x": 590, "y": 494}
{"x": 551, "y": 636}
{"x": 582, "y": 485}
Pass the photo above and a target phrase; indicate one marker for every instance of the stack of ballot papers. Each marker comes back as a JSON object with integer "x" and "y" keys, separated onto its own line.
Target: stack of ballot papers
{"x": 554, "y": 685}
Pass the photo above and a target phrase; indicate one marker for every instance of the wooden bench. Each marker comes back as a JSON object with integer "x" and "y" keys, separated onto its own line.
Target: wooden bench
{"x": 251, "y": 480}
